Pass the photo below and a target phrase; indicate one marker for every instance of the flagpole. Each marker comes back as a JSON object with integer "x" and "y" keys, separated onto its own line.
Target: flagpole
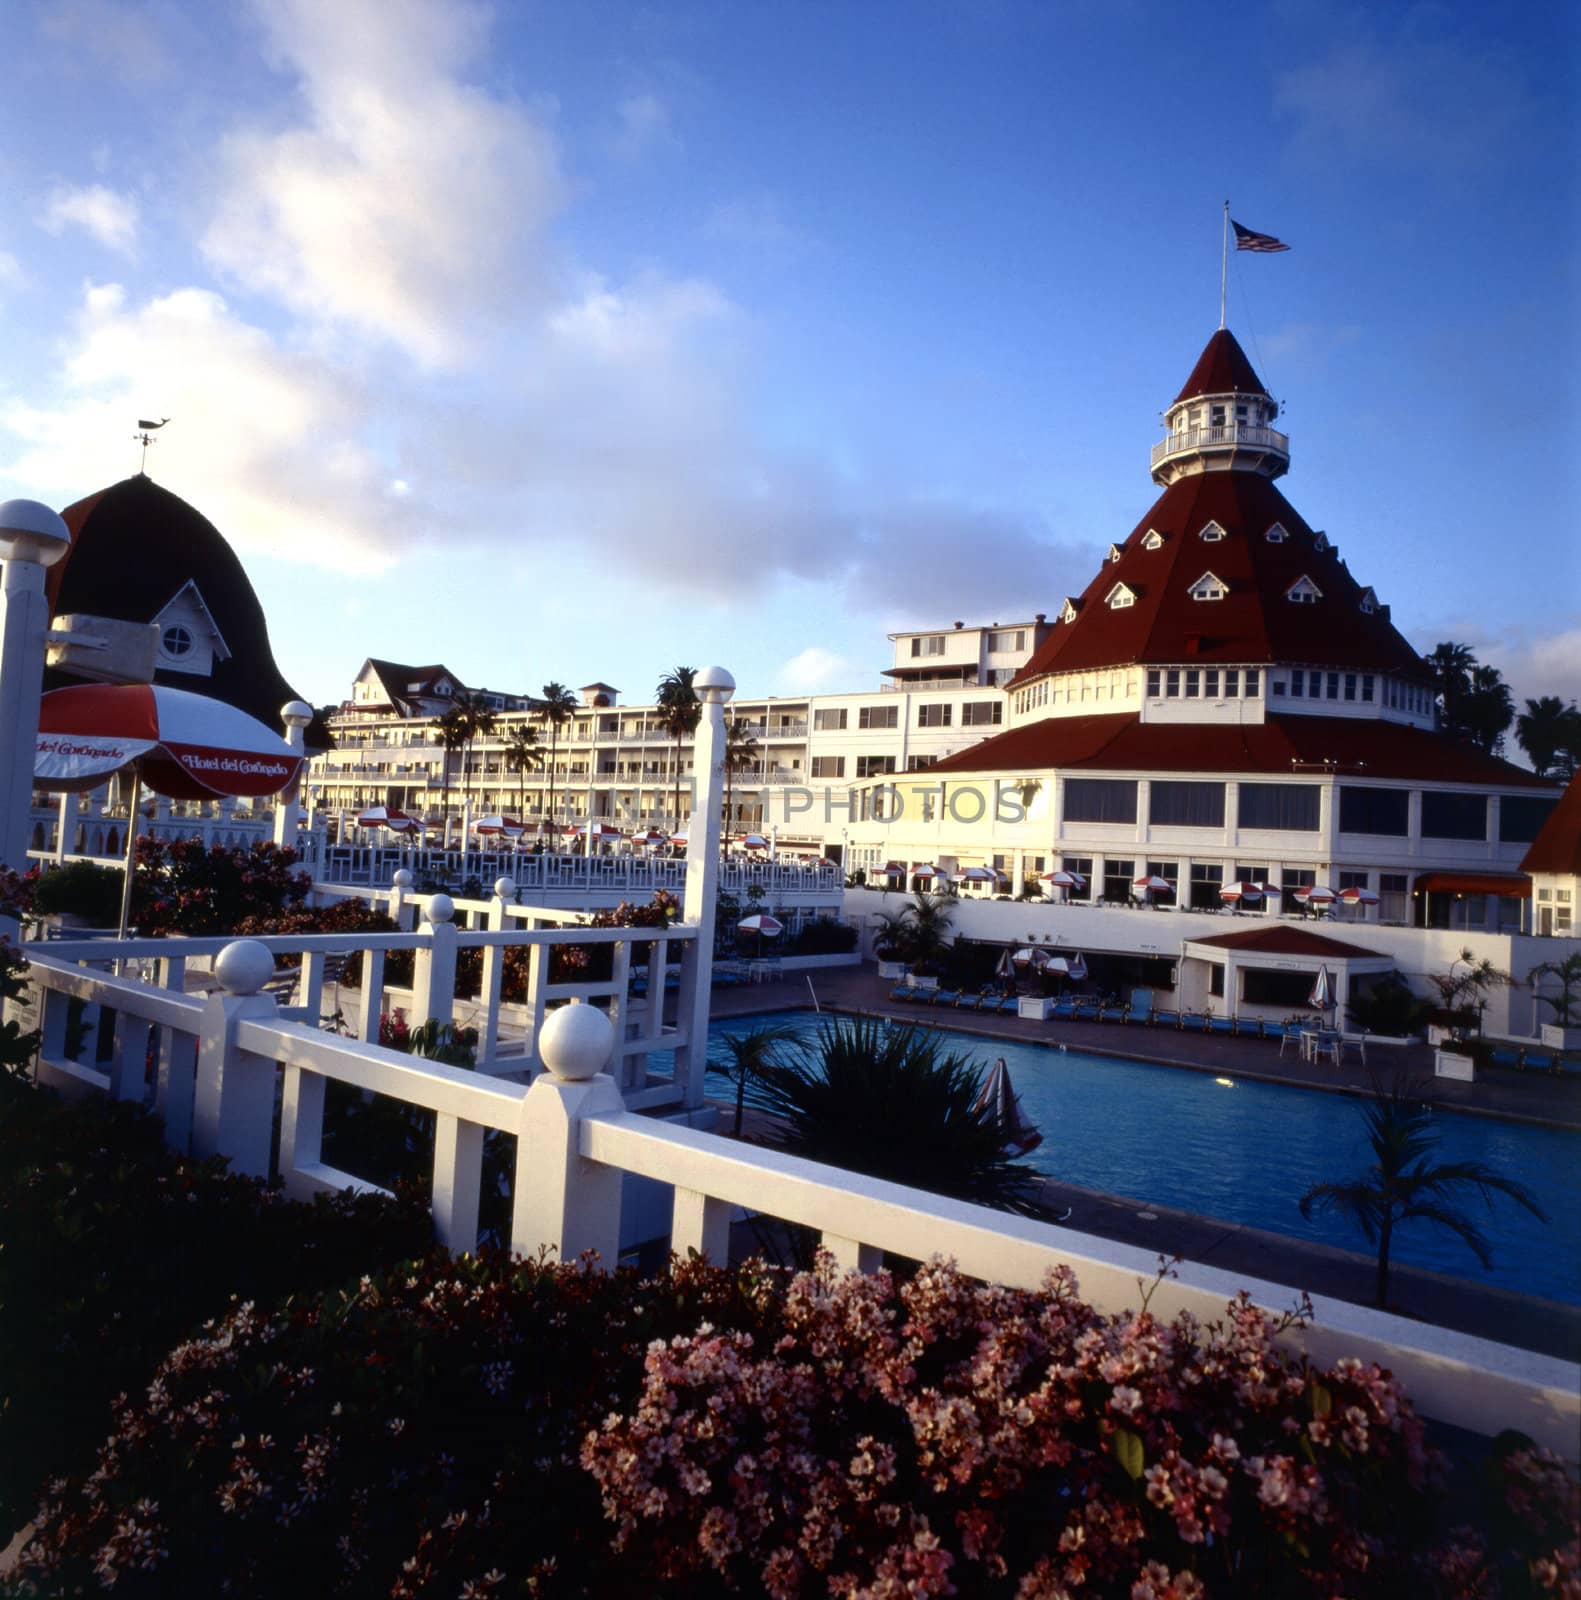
{"x": 1224, "y": 261}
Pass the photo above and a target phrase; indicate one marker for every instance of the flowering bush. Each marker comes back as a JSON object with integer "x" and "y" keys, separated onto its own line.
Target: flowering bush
{"x": 113, "y": 1246}
{"x": 421, "y": 1435}
{"x": 185, "y": 887}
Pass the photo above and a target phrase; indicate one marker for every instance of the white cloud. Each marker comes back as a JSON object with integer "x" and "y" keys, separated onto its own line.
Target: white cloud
{"x": 812, "y": 670}
{"x": 262, "y": 440}
{"x": 644, "y": 125}
{"x": 109, "y": 217}
{"x": 11, "y": 273}
{"x": 405, "y": 204}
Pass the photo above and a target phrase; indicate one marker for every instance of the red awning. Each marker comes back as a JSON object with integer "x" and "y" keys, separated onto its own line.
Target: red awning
{"x": 1511, "y": 885}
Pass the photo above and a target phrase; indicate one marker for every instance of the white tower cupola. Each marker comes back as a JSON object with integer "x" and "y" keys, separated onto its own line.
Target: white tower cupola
{"x": 1221, "y": 421}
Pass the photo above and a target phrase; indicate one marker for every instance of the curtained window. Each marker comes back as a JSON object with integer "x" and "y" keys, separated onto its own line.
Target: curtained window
{"x": 1365, "y": 810}
{"x": 1287, "y": 807}
{"x": 1100, "y": 800}
{"x": 1176, "y": 804}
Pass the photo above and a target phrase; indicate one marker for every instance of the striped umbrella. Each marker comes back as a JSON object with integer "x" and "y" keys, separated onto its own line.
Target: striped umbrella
{"x": 1235, "y": 893}
{"x": 1316, "y": 894}
{"x": 1358, "y": 897}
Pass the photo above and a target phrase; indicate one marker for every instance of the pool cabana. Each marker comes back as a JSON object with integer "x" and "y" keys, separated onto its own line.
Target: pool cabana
{"x": 1269, "y": 972}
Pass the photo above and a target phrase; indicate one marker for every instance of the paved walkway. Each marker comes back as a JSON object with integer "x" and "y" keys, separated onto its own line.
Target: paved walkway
{"x": 1542, "y": 1325}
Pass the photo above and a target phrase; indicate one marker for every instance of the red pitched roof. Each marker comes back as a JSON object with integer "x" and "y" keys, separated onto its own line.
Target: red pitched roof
{"x": 1281, "y": 746}
{"x": 1254, "y": 623}
{"x": 1222, "y": 368}
{"x": 1286, "y": 941}
{"x": 1557, "y": 847}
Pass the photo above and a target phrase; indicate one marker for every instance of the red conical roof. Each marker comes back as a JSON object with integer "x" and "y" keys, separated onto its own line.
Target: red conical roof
{"x": 1254, "y": 623}
{"x": 1557, "y": 847}
{"x": 1222, "y": 368}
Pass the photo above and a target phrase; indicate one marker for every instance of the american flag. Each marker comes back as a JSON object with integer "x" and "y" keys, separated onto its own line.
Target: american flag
{"x": 1246, "y": 239}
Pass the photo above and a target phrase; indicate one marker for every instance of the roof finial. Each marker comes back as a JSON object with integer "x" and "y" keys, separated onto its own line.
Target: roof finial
{"x": 145, "y": 437}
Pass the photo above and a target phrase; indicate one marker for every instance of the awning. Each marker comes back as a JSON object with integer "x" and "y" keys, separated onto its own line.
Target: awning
{"x": 1511, "y": 885}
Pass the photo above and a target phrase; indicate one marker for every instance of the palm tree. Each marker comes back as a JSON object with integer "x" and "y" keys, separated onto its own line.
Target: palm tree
{"x": 522, "y": 752}
{"x": 748, "y": 1054}
{"x": 453, "y": 735}
{"x": 679, "y": 713}
{"x": 1549, "y": 731}
{"x": 1488, "y": 709}
{"x": 930, "y": 916}
{"x": 1451, "y": 665}
{"x": 741, "y": 750}
{"x": 1403, "y": 1185}
{"x": 476, "y": 717}
{"x": 558, "y": 705}
{"x": 893, "y": 1103}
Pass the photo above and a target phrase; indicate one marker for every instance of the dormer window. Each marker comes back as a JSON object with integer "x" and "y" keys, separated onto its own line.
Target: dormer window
{"x": 1120, "y": 597}
{"x": 1320, "y": 543}
{"x": 1276, "y": 534}
{"x": 1212, "y": 533}
{"x": 1369, "y": 602}
{"x": 1068, "y": 610}
{"x": 1153, "y": 540}
{"x": 1208, "y": 587}
{"x": 1115, "y": 552}
{"x": 1303, "y": 592}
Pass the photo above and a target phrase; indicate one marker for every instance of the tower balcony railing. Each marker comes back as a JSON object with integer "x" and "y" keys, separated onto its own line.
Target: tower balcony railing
{"x": 1229, "y": 436}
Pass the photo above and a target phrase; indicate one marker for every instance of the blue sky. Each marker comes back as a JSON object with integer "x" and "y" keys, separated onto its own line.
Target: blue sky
{"x": 578, "y": 341}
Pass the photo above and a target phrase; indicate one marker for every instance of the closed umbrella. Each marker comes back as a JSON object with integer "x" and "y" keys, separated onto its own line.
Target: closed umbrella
{"x": 1005, "y": 968}
{"x": 1078, "y": 967}
{"x": 1322, "y": 996}
{"x": 185, "y": 745}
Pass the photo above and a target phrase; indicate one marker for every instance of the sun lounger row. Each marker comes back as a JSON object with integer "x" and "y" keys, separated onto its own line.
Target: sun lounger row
{"x": 1524, "y": 1060}
{"x": 988, "y": 1000}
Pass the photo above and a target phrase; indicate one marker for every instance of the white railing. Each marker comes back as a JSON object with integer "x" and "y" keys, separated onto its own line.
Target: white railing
{"x": 578, "y": 1141}
{"x": 1226, "y": 436}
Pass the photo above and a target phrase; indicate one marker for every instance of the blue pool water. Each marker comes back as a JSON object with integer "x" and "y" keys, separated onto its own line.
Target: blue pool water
{"x": 1248, "y": 1151}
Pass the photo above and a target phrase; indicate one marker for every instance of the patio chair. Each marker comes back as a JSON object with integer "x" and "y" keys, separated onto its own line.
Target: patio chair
{"x": 1142, "y": 1013}
{"x": 1291, "y": 1034}
{"x": 1165, "y": 1018}
{"x": 1217, "y": 1024}
{"x": 1327, "y": 1044}
{"x": 1248, "y": 1028}
{"x": 946, "y": 997}
{"x": 1193, "y": 1022}
{"x": 1010, "y": 1006}
{"x": 1064, "y": 1008}
{"x": 1111, "y": 1011}
{"x": 1543, "y": 1060}
{"x": 1087, "y": 1010}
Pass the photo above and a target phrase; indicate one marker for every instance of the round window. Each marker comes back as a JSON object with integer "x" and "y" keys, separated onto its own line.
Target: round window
{"x": 177, "y": 640}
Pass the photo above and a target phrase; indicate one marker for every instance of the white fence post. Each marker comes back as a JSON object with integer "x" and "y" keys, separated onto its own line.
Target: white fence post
{"x": 233, "y": 1108}
{"x": 714, "y": 687}
{"x": 494, "y": 969}
{"x": 562, "y": 1200}
{"x": 400, "y": 913}
{"x": 434, "y": 974}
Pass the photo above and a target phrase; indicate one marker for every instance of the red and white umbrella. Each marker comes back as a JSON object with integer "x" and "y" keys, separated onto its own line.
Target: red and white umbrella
{"x": 929, "y": 872}
{"x": 1235, "y": 893}
{"x": 1150, "y": 883}
{"x": 599, "y": 830}
{"x": 1057, "y": 964}
{"x": 396, "y": 820}
{"x": 762, "y": 924}
{"x": 1078, "y": 967}
{"x": 1030, "y": 956}
{"x": 649, "y": 839}
{"x": 1062, "y": 879}
{"x": 752, "y": 841}
{"x": 1316, "y": 894}
{"x": 981, "y": 875}
{"x": 1322, "y": 996}
{"x": 1358, "y": 897}
{"x": 509, "y": 827}
{"x": 678, "y": 838}
{"x": 185, "y": 745}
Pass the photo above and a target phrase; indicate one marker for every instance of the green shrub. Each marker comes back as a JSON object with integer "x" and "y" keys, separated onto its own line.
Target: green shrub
{"x": 81, "y": 889}
{"x": 113, "y": 1246}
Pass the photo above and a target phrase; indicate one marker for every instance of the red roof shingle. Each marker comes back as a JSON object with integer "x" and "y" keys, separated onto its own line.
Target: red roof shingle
{"x": 1281, "y": 746}
{"x": 1557, "y": 847}
{"x": 1222, "y": 368}
{"x": 1286, "y": 941}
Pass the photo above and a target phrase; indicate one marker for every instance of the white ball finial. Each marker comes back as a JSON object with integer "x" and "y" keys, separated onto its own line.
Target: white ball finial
{"x": 575, "y": 1042}
{"x": 441, "y": 908}
{"x": 714, "y": 685}
{"x": 30, "y": 531}
{"x": 505, "y": 888}
{"x": 403, "y": 878}
{"x": 296, "y": 713}
{"x": 244, "y": 966}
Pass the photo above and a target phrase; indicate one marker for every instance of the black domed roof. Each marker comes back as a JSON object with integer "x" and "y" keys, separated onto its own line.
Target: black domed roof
{"x": 133, "y": 547}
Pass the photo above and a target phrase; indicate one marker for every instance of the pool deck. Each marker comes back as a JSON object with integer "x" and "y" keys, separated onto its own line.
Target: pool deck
{"x": 1498, "y": 1314}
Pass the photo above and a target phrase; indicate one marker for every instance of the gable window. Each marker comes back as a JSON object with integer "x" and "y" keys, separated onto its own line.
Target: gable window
{"x": 1303, "y": 592}
{"x": 1208, "y": 587}
{"x": 1276, "y": 533}
{"x": 1369, "y": 602}
{"x": 1153, "y": 540}
{"x": 1068, "y": 611}
{"x": 1115, "y": 552}
{"x": 176, "y": 640}
{"x": 1212, "y": 533}
{"x": 1320, "y": 542}
{"x": 1120, "y": 597}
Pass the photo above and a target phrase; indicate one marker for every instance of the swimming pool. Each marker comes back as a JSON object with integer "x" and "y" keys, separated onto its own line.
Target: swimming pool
{"x": 1246, "y": 1152}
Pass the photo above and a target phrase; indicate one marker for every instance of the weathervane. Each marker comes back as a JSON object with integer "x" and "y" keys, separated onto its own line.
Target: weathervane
{"x": 145, "y": 437}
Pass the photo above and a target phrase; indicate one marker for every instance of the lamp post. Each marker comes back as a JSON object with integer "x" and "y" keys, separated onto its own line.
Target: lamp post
{"x": 713, "y": 686}
{"x": 295, "y": 714}
{"x": 32, "y": 537}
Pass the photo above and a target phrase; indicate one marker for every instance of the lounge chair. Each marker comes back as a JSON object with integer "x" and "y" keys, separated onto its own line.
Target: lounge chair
{"x": 1248, "y": 1028}
{"x": 1010, "y": 1006}
{"x": 1165, "y": 1018}
{"x": 1087, "y": 1010}
{"x": 1193, "y": 1022}
{"x": 1504, "y": 1058}
{"x": 903, "y": 992}
{"x": 1221, "y": 1024}
{"x": 946, "y": 997}
{"x": 1142, "y": 1014}
{"x": 1542, "y": 1060}
{"x": 1064, "y": 1008}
